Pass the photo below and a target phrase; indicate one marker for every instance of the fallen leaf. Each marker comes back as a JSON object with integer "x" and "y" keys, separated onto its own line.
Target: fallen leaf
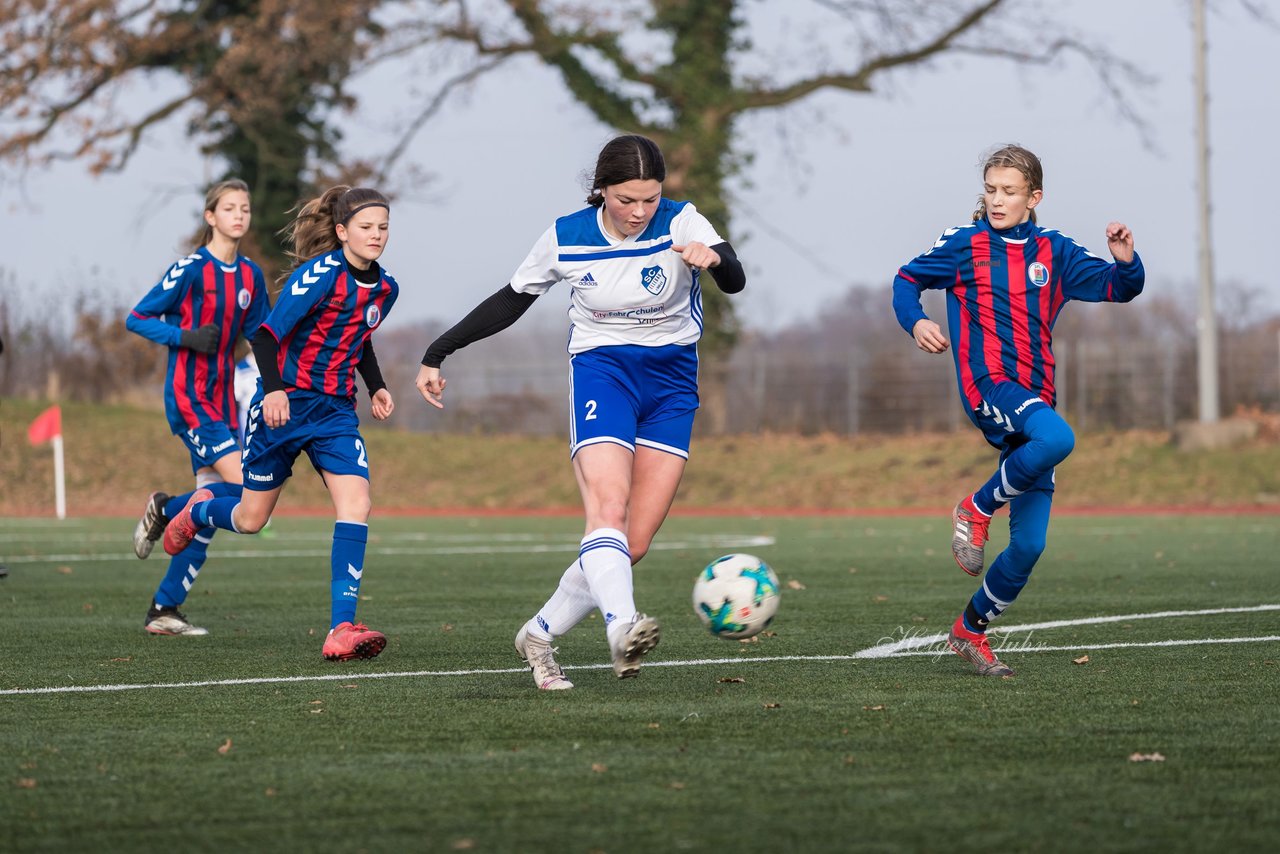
{"x": 26, "y": 782}
{"x": 849, "y": 760}
{"x": 877, "y": 708}
{"x": 28, "y": 766}
{"x": 317, "y": 711}
{"x": 655, "y": 725}
{"x": 675, "y": 784}
{"x": 463, "y": 844}
{"x": 270, "y": 792}
{"x": 879, "y": 598}
{"x": 65, "y": 570}
{"x": 738, "y": 679}
{"x": 126, "y": 658}
{"x": 1146, "y": 757}
{"x": 316, "y": 702}
{"x": 1084, "y": 659}
{"x": 599, "y": 767}
{"x": 773, "y": 705}
{"x": 311, "y": 633}
{"x": 796, "y": 585}
{"x": 225, "y": 748}
{"x": 447, "y": 627}
{"x": 768, "y": 634}
{"x": 351, "y": 686}
{"x": 752, "y": 639}
{"x": 88, "y": 607}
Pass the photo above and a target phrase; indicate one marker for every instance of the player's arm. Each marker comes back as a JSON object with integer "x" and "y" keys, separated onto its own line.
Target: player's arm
{"x": 1088, "y": 278}
{"x": 935, "y": 268}
{"x": 147, "y": 317}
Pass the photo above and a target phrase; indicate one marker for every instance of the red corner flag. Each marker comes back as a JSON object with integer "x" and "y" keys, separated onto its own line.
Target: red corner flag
{"x": 47, "y": 425}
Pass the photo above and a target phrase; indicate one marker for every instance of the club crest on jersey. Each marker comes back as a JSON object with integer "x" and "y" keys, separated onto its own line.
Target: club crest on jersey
{"x": 654, "y": 279}
{"x": 1037, "y": 274}
{"x": 372, "y": 315}
{"x": 242, "y": 298}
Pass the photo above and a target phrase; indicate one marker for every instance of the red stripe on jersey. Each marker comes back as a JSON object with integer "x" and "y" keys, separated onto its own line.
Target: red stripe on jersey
{"x": 1018, "y": 313}
{"x": 991, "y": 349}
{"x": 963, "y": 354}
{"x": 208, "y": 314}
{"x": 352, "y": 334}
{"x": 182, "y": 367}
{"x": 1044, "y": 254}
{"x": 320, "y": 333}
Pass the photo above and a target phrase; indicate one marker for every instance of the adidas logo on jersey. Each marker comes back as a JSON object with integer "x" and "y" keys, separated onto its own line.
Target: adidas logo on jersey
{"x": 587, "y": 281}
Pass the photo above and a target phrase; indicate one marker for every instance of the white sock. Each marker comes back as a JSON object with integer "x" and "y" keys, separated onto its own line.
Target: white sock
{"x": 606, "y": 564}
{"x": 568, "y": 606}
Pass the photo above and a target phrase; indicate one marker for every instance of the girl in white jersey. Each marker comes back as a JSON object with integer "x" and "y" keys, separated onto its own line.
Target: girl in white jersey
{"x": 634, "y": 261}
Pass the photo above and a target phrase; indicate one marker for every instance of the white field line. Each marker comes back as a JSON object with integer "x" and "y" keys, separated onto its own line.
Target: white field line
{"x": 722, "y": 541}
{"x": 887, "y": 648}
{"x": 702, "y": 662}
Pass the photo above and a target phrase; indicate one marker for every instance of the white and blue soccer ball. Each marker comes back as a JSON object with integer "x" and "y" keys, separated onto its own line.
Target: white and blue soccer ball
{"x": 736, "y": 596}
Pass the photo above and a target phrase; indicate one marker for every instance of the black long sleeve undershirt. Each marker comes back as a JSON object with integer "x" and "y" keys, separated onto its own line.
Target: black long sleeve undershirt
{"x": 490, "y": 317}
{"x": 729, "y": 275}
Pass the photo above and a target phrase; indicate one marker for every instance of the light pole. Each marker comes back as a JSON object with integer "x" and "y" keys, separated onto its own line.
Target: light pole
{"x": 1206, "y": 319}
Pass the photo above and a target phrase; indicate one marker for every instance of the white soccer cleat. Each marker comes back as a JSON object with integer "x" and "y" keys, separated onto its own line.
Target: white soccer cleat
{"x": 168, "y": 620}
{"x": 633, "y": 642}
{"x": 540, "y": 656}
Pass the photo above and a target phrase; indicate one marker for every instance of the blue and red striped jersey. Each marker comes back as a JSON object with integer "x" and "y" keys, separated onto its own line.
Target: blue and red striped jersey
{"x": 198, "y": 290}
{"x": 1004, "y": 292}
{"x": 321, "y": 320}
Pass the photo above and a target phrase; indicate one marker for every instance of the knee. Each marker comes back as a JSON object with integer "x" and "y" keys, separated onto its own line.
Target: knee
{"x": 355, "y": 509}
{"x": 1053, "y": 434}
{"x": 1062, "y": 441}
{"x": 609, "y": 513}
{"x": 1025, "y": 550}
{"x": 247, "y": 523}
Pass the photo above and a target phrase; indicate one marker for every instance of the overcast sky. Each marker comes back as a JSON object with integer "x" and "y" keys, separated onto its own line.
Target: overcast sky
{"x": 842, "y": 190}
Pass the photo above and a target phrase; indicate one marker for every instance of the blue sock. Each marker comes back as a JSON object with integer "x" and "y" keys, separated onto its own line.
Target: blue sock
{"x": 1010, "y": 571}
{"x": 346, "y": 566}
{"x": 216, "y": 512}
{"x": 183, "y": 569}
{"x": 1049, "y": 442}
{"x": 220, "y": 490}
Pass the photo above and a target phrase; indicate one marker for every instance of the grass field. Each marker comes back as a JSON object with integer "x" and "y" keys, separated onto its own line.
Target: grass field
{"x": 818, "y": 737}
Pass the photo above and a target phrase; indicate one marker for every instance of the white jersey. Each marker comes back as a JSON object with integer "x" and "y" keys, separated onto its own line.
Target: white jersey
{"x": 630, "y": 291}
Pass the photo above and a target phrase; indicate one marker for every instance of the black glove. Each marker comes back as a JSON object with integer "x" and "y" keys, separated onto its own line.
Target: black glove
{"x": 202, "y": 340}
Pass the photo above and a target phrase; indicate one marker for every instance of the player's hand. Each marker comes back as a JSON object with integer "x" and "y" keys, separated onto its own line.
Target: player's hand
{"x": 1120, "y": 242}
{"x": 929, "y": 337}
{"x": 431, "y": 386}
{"x": 202, "y": 340}
{"x": 697, "y": 255}
{"x": 275, "y": 409}
{"x": 383, "y": 405}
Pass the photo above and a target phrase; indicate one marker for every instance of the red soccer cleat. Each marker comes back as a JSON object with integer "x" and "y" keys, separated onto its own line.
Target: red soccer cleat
{"x": 182, "y": 529}
{"x": 974, "y": 648}
{"x": 352, "y": 640}
{"x": 970, "y": 537}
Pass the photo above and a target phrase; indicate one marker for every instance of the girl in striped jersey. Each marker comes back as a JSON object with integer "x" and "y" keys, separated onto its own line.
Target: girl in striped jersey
{"x": 316, "y": 338}
{"x": 199, "y": 310}
{"x": 1007, "y": 279}
{"x": 634, "y": 263}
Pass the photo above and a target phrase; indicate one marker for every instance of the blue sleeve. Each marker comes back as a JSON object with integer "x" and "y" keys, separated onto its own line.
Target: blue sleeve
{"x": 147, "y": 317}
{"x": 1088, "y": 278}
{"x": 934, "y": 269}
{"x": 258, "y": 308}
{"x": 307, "y": 286}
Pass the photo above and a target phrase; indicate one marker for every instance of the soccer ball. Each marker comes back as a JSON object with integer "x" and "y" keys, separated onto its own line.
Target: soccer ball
{"x": 736, "y": 596}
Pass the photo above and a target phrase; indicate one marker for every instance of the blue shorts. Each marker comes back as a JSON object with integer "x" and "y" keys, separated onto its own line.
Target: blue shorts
{"x": 324, "y": 426}
{"x": 209, "y": 443}
{"x": 631, "y": 395}
{"x": 1004, "y": 412}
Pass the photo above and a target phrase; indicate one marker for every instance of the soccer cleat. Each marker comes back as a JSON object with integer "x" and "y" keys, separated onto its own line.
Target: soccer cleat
{"x": 352, "y": 640}
{"x": 548, "y": 675}
{"x": 970, "y": 537}
{"x": 151, "y": 526}
{"x": 633, "y": 642}
{"x": 182, "y": 529}
{"x": 974, "y": 648}
{"x": 168, "y": 620}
